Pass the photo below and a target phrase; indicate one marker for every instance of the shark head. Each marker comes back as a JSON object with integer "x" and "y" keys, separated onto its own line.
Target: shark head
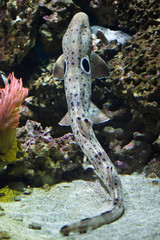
{"x": 77, "y": 65}
{"x": 77, "y": 50}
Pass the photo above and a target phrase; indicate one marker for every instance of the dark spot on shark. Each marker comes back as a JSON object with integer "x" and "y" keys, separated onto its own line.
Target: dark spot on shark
{"x": 72, "y": 104}
{"x": 115, "y": 201}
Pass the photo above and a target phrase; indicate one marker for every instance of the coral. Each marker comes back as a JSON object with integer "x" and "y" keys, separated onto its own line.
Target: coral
{"x": 56, "y": 16}
{"x": 135, "y": 77}
{"x": 47, "y": 101}
{"x": 43, "y": 158}
{"x": 8, "y": 194}
{"x": 11, "y": 97}
{"x": 18, "y": 28}
{"x": 129, "y": 15}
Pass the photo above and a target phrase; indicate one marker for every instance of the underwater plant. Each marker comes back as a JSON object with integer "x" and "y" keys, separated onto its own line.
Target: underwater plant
{"x": 11, "y": 98}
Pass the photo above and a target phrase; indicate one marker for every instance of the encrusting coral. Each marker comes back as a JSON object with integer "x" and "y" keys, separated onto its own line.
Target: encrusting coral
{"x": 11, "y": 97}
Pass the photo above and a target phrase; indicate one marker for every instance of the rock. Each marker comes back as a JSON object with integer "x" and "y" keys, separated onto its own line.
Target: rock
{"x": 135, "y": 81}
{"x": 35, "y": 226}
{"x": 43, "y": 158}
{"x": 27, "y": 192}
{"x": 2, "y": 214}
{"x": 56, "y": 16}
{"x": 136, "y": 153}
{"x": 4, "y": 235}
{"x": 18, "y": 29}
{"x": 17, "y": 198}
{"x": 153, "y": 168}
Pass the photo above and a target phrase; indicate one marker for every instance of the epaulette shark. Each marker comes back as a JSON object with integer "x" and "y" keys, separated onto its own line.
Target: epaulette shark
{"x": 77, "y": 65}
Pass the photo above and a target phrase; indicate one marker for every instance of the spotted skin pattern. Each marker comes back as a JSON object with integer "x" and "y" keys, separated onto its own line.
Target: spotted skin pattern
{"x": 77, "y": 44}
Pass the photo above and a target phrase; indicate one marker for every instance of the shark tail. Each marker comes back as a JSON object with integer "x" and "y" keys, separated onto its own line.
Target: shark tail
{"x": 92, "y": 223}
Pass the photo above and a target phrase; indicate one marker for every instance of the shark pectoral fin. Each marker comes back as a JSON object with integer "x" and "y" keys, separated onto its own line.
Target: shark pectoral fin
{"x": 99, "y": 68}
{"x": 96, "y": 115}
{"x": 65, "y": 120}
{"x": 58, "y": 70}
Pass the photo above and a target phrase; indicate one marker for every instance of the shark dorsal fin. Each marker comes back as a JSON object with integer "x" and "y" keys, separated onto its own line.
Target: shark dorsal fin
{"x": 99, "y": 68}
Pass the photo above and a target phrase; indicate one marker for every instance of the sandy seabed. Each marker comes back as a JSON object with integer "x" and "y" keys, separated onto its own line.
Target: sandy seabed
{"x": 67, "y": 202}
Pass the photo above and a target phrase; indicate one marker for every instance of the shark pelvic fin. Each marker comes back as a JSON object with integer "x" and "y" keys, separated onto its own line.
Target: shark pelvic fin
{"x": 65, "y": 120}
{"x": 99, "y": 68}
{"x": 58, "y": 70}
{"x": 96, "y": 115}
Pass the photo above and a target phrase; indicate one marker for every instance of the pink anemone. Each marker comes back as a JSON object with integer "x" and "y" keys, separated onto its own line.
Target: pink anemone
{"x": 11, "y": 98}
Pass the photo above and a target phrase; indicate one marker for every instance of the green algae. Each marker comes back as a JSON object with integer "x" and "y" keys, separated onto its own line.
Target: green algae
{"x": 8, "y": 194}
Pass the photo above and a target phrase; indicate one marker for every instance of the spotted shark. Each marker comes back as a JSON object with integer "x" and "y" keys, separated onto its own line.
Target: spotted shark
{"x": 77, "y": 65}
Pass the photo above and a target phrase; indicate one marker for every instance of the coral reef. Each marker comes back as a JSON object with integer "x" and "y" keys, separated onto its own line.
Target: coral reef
{"x": 55, "y": 18}
{"x": 43, "y": 159}
{"x": 26, "y": 23}
{"x": 129, "y": 15}
{"x": 18, "y": 28}
{"x": 47, "y": 101}
{"x": 136, "y": 77}
{"x": 130, "y": 97}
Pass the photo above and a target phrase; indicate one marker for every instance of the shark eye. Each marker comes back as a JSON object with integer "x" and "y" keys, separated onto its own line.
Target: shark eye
{"x": 65, "y": 67}
{"x": 85, "y": 65}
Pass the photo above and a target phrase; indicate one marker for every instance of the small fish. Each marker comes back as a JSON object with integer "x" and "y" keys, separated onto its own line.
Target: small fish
{"x": 76, "y": 66}
{"x": 110, "y": 35}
